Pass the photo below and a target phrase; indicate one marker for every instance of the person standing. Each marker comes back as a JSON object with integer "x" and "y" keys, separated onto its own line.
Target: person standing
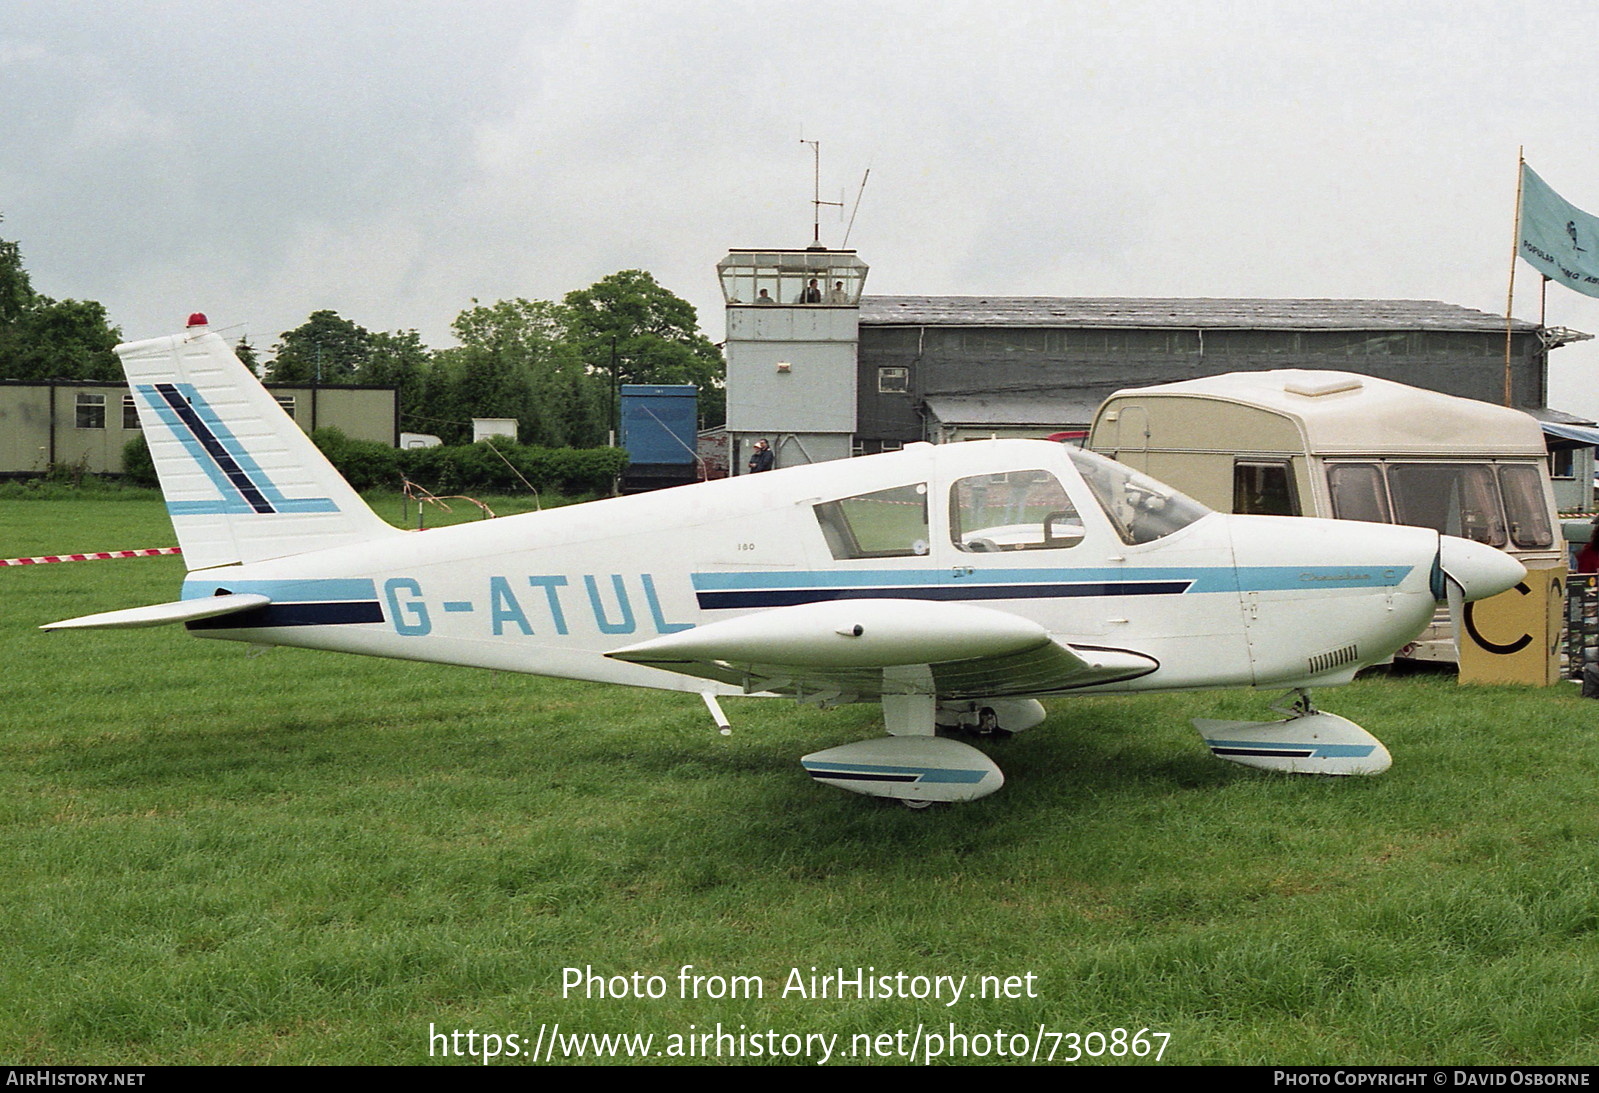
{"x": 1588, "y": 556}
{"x": 762, "y": 458}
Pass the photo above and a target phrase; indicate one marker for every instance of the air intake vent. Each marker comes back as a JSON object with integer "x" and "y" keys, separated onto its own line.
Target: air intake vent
{"x": 1314, "y": 385}
{"x": 1325, "y": 662}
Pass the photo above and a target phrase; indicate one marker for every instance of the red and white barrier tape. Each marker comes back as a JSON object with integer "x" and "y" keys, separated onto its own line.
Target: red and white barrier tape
{"x": 95, "y": 557}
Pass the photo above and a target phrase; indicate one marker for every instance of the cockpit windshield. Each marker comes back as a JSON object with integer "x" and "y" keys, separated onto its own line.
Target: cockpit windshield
{"x": 1140, "y": 508}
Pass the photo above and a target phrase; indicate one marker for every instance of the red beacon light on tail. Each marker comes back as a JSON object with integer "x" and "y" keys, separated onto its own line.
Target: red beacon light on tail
{"x": 197, "y": 319}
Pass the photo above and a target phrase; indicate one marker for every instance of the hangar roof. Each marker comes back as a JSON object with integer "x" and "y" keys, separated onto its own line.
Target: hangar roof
{"x": 1012, "y": 410}
{"x": 1058, "y": 311}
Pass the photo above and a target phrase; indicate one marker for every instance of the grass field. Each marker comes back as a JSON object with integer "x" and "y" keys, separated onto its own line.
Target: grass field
{"x": 307, "y": 858}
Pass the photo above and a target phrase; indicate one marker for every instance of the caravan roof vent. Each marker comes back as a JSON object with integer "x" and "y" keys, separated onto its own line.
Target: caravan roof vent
{"x": 1315, "y": 386}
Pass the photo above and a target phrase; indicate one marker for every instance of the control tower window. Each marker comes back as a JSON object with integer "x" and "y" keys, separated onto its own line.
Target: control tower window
{"x": 792, "y": 278}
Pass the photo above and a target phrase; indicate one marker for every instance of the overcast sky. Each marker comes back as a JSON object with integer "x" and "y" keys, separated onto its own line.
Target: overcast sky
{"x": 392, "y": 161}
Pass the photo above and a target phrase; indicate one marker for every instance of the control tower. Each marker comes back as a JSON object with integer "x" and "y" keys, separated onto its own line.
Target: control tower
{"x": 793, "y": 320}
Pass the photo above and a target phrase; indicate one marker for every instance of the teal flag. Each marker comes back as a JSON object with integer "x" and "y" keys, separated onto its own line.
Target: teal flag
{"x": 1557, "y": 237}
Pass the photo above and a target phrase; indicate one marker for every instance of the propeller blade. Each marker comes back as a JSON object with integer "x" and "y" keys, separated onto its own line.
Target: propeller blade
{"x": 1457, "y": 611}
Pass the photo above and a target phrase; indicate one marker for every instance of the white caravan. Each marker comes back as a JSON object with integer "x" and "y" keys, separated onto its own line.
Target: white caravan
{"x": 1334, "y": 444}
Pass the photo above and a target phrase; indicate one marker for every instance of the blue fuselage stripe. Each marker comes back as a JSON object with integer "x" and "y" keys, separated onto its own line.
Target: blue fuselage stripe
{"x": 788, "y": 596}
{"x": 782, "y": 589}
{"x": 303, "y": 588}
{"x": 295, "y": 614}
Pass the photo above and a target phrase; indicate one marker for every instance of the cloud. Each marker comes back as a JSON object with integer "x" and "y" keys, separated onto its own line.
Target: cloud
{"x": 394, "y": 161}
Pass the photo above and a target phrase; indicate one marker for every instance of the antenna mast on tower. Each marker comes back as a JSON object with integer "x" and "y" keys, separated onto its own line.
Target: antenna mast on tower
{"x": 816, "y": 192}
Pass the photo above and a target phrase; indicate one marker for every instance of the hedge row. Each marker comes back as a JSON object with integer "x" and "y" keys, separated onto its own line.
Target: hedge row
{"x": 478, "y": 466}
{"x": 367, "y": 465}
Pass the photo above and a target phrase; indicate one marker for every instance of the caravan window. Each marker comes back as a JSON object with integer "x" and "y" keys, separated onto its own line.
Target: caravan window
{"x": 1462, "y": 499}
{"x": 1525, "y": 506}
{"x": 1455, "y": 498}
{"x": 1358, "y": 493}
{"x": 1264, "y": 489}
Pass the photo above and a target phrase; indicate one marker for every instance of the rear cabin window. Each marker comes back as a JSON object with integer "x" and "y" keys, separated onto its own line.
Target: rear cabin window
{"x": 1015, "y": 510}
{"x": 889, "y": 523}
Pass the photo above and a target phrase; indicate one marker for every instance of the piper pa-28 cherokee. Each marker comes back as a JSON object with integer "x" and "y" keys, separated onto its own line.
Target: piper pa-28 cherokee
{"x": 956, "y": 585}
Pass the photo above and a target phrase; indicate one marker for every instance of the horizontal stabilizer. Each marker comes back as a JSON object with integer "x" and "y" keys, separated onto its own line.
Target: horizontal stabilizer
{"x": 163, "y": 613}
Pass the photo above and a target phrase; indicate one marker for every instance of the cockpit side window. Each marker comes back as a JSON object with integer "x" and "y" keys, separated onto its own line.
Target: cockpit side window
{"x": 889, "y": 523}
{"x": 1140, "y": 508}
{"x": 1013, "y": 510}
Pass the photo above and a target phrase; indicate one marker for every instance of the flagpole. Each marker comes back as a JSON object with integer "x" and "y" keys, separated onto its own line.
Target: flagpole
{"x": 1515, "y": 247}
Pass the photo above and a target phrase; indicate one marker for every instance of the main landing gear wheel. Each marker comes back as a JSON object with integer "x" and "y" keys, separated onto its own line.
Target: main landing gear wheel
{"x": 915, "y": 805}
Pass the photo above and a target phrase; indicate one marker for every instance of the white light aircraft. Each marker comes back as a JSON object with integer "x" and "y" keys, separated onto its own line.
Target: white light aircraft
{"x": 955, "y": 584}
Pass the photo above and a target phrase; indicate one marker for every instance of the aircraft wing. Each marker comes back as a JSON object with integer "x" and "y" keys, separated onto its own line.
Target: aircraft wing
{"x": 846, "y": 650}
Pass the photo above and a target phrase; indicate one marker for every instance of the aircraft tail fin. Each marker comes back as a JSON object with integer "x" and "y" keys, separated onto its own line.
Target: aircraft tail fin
{"x": 242, "y": 482}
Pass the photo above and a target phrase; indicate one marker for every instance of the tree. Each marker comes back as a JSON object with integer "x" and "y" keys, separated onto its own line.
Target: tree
{"x": 517, "y": 359}
{"x": 400, "y": 360}
{"x": 247, "y": 355}
{"x": 324, "y": 349}
{"x": 633, "y": 330}
{"x": 45, "y": 339}
{"x": 16, "y": 291}
{"x": 62, "y": 339}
